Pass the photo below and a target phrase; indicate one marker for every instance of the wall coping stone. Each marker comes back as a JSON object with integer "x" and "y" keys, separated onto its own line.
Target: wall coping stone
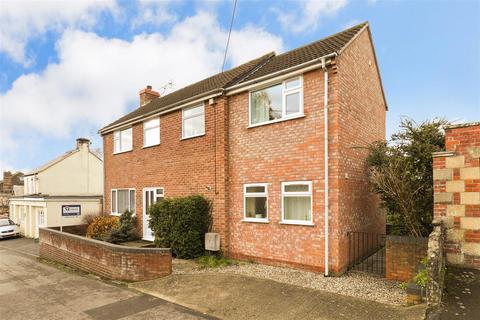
{"x": 443, "y": 154}
{"x": 109, "y": 246}
{"x": 408, "y": 239}
{"x": 462, "y": 125}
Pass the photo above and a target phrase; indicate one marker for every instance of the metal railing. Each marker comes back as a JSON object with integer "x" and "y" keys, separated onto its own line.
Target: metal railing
{"x": 366, "y": 252}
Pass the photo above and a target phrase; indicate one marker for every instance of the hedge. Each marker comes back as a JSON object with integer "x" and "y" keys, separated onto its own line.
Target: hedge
{"x": 181, "y": 224}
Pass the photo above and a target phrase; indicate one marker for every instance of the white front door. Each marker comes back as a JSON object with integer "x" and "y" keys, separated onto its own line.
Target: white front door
{"x": 150, "y": 196}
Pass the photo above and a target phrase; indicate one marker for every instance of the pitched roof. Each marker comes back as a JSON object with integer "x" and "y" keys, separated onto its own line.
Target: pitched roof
{"x": 262, "y": 66}
{"x": 216, "y": 82}
{"x": 309, "y": 52}
{"x": 51, "y": 162}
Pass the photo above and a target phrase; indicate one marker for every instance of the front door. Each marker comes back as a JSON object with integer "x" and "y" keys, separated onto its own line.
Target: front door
{"x": 150, "y": 197}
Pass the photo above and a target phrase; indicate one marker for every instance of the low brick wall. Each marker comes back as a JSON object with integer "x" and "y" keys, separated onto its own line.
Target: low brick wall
{"x": 105, "y": 259}
{"x": 403, "y": 254}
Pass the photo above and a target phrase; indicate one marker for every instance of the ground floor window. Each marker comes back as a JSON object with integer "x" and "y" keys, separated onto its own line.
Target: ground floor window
{"x": 256, "y": 202}
{"x": 297, "y": 202}
{"x": 122, "y": 200}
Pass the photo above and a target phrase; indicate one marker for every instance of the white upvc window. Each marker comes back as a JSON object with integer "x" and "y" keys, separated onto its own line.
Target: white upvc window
{"x": 151, "y": 132}
{"x": 122, "y": 140}
{"x": 122, "y": 200}
{"x": 255, "y": 204}
{"x": 278, "y": 102}
{"x": 297, "y": 202}
{"x": 193, "y": 122}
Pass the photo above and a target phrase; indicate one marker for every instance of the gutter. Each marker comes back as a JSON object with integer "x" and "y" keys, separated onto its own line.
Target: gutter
{"x": 314, "y": 64}
{"x": 168, "y": 108}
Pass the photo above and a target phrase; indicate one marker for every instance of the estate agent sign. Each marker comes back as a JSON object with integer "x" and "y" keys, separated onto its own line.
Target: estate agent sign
{"x": 71, "y": 210}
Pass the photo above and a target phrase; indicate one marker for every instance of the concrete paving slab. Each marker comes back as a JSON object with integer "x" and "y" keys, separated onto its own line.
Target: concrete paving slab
{"x": 229, "y": 296}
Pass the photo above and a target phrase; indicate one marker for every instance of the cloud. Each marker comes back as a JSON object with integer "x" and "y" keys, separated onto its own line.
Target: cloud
{"x": 97, "y": 79}
{"x": 308, "y": 15}
{"x": 21, "y": 21}
{"x": 154, "y": 13}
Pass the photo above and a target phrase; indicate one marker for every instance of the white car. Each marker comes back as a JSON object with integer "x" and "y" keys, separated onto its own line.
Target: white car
{"x": 8, "y": 228}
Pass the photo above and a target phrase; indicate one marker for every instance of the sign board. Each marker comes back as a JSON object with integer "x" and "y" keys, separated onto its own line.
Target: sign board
{"x": 71, "y": 210}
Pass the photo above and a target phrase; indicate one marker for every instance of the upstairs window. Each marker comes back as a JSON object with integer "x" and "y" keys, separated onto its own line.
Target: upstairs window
{"x": 193, "y": 122}
{"x": 151, "y": 132}
{"x": 281, "y": 101}
{"x": 122, "y": 140}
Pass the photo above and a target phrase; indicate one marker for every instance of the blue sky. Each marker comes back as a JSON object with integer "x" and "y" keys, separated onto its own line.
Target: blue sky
{"x": 68, "y": 68}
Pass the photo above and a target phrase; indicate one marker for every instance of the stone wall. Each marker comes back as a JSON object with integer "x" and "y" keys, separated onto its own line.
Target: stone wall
{"x": 456, "y": 174}
{"x": 436, "y": 265}
{"x": 105, "y": 259}
{"x": 403, "y": 255}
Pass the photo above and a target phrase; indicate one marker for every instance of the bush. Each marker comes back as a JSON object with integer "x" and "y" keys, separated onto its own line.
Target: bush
{"x": 215, "y": 262}
{"x": 101, "y": 226}
{"x": 126, "y": 231}
{"x": 181, "y": 224}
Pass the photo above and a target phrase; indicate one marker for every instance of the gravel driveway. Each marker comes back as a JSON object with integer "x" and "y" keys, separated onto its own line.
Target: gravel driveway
{"x": 351, "y": 284}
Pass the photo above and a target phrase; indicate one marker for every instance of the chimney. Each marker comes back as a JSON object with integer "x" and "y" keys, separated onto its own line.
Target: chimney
{"x": 83, "y": 143}
{"x": 7, "y": 182}
{"x": 147, "y": 95}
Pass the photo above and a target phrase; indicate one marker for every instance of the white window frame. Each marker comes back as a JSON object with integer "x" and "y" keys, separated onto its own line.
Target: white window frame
{"x": 202, "y": 114}
{"x": 309, "y": 193}
{"x": 254, "y": 195}
{"x": 285, "y": 92}
{"x": 145, "y": 145}
{"x": 116, "y": 213}
{"x": 119, "y": 138}
{"x": 41, "y": 218}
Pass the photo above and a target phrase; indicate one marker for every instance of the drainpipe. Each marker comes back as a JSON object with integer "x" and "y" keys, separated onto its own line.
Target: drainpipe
{"x": 325, "y": 135}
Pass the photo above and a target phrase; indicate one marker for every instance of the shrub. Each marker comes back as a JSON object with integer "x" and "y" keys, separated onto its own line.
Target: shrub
{"x": 215, "y": 261}
{"x": 88, "y": 219}
{"x": 101, "y": 226}
{"x": 126, "y": 231}
{"x": 181, "y": 224}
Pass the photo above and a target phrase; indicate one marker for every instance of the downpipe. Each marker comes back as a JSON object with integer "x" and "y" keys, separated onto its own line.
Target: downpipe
{"x": 326, "y": 171}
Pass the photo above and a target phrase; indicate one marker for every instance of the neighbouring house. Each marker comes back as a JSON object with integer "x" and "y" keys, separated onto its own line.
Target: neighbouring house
{"x": 60, "y": 192}
{"x": 278, "y": 145}
{"x": 11, "y": 185}
{"x": 456, "y": 179}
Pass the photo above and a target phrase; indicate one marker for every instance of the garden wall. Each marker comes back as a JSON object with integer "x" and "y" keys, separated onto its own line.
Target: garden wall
{"x": 436, "y": 266}
{"x": 105, "y": 259}
{"x": 403, "y": 254}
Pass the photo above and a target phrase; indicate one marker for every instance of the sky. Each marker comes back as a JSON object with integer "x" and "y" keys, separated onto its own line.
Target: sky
{"x": 67, "y": 68}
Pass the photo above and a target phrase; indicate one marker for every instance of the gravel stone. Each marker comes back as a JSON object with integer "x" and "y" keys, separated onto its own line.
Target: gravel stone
{"x": 352, "y": 284}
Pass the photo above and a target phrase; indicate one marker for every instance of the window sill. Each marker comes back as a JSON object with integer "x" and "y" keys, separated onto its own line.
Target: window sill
{"x": 276, "y": 121}
{"x": 255, "y": 220}
{"x": 198, "y": 135}
{"x": 298, "y": 223}
{"x": 115, "y": 214}
{"x": 120, "y": 152}
{"x": 149, "y": 146}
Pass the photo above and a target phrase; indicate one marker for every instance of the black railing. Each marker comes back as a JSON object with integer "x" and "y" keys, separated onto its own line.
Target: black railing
{"x": 366, "y": 252}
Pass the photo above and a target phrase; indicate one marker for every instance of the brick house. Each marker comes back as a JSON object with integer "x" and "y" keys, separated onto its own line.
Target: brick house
{"x": 253, "y": 140}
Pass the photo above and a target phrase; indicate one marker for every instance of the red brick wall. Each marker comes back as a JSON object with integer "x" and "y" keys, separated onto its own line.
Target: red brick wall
{"x": 107, "y": 260}
{"x": 182, "y": 167}
{"x": 456, "y": 175}
{"x": 359, "y": 119}
{"x": 403, "y": 255}
{"x": 285, "y": 151}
